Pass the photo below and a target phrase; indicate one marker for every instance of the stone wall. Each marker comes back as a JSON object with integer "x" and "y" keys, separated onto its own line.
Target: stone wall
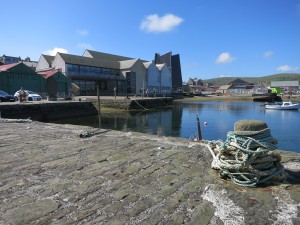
{"x": 44, "y": 111}
{"x": 133, "y": 104}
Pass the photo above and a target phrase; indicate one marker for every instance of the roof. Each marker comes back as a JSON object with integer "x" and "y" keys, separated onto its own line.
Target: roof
{"x": 7, "y": 66}
{"x": 32, "y": 64}
{"x": 147, "y": 64}
{"x": 106, "y": 56}
{"x": 48, "y": 58}
{"x": 48, "y": 73}
{"x": 225, "y": 87}
{"x": 239, "y": 81}
{"x": 127, "y": 64}
{"x": 285, "y": 83}
{"x": 83, "y": 60}
{"x": 160, "y": 66}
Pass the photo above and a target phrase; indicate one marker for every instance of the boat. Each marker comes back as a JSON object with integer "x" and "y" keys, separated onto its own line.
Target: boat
{"x": 282, "y": 106}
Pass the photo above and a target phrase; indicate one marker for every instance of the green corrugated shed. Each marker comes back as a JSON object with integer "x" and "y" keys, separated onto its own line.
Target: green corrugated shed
{"x": 15, "y": 76}
{"x": 56, "y": 83}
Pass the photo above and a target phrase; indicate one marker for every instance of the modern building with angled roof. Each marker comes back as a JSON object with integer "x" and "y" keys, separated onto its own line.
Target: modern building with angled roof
{"x": 153, "y": 78}
{"x": 104, "y": 56}
{"x": 130, "y": 76}
{"x": 165, "y": 79}
{"x": 45, "y": 62}
{"x": 173, "y": 62}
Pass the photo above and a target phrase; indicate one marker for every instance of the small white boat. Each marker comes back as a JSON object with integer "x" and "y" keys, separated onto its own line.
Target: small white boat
{"x": 282, "y": 105}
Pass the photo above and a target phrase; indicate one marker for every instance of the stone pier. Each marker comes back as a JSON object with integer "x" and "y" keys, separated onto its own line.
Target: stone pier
{"x": 49, "y": 175}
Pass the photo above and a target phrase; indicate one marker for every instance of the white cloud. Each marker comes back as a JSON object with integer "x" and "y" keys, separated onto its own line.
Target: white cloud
{"x": 268, "y": 54}
{"x": 287, "y": 68}
{"x": 55, "y": 50}
{"x": 84, "y": 46}
{"x": 154, "y": 23}
{"x": 82, "y": 32}
{"x": 224, "y": 58}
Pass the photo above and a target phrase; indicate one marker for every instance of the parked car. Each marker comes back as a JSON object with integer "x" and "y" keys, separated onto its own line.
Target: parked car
{"x": 5, "y": 97}
{"x": 30, "y": 96}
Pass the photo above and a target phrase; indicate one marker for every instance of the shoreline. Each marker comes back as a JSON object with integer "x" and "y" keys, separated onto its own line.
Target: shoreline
{"x": 231, "y": 98}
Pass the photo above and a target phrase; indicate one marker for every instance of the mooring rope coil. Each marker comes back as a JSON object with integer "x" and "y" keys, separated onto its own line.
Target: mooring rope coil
{"x": 247, "y": 157}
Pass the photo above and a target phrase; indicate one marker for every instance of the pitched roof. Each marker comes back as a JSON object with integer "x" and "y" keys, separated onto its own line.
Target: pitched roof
{"x": 160, "y": 66}
{"x": 127, "y": 64}
{"x": 239, "y": 81}
{"x": 106, "y": 56}
{"x": 147, "y": 64}
{"x": 294, "y": 83}
{"x": 48, "y": 73}
{"x": 83, "y": 60}
{"x": 48, "y": 58}
{"x": 225, "y": 87}
{"x": 7, "y": 66}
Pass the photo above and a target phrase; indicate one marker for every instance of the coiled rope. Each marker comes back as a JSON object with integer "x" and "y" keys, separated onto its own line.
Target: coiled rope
{"x": 248, "y": 158}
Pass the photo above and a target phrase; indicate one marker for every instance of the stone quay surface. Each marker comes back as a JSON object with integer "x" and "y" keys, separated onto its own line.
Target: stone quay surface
{"x": 49, "y": 175}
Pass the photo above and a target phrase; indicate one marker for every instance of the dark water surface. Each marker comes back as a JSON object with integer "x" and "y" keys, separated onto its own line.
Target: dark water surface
{"x": 180, "y": 121}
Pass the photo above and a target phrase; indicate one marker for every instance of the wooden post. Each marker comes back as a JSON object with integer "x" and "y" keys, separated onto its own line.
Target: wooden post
{"x": 99, "y": 111}
{"x": 199, "y": 129}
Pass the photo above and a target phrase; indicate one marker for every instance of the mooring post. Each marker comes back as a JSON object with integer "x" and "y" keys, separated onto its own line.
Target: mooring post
{"x": 115, "y": 92}
{"x": 99, "y": 112}
{"x": 199, "y": 129}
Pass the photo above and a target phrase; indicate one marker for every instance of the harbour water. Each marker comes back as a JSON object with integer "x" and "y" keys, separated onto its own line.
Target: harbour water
{"x": 216, "y": 119}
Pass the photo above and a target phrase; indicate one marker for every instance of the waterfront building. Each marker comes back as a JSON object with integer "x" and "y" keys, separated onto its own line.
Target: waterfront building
{"x": 237, "y": 86}
{"x": 153, "y": 78}
{"x": 196, "y": 86}
{"x": 17, "y": 75}
{"x": 287, "y": 86}
{"x": 166, "y": 79}
{"x": 57, "y": 85}
{"x": 173, "y": 63}
{"x": 130, "y": 76}
{"x": 45, "y": 62}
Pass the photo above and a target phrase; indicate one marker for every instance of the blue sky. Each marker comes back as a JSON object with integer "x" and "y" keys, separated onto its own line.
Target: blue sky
{"x": 215, "y": 38}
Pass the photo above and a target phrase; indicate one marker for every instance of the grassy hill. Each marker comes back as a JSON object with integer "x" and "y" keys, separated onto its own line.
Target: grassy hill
{"x": 267, "y": 79}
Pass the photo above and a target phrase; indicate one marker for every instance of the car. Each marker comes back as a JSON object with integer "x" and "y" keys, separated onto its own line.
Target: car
{"x": 30, "y": 96}
{"x": 5, "y": 97}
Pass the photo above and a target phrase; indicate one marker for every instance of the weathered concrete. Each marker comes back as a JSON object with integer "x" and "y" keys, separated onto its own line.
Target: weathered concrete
{"x": 47, "y": 110}
{"x": 48, "y": 175}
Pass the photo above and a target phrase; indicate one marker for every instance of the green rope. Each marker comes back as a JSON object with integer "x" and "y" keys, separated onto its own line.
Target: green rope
{"x": 248, "y": 159}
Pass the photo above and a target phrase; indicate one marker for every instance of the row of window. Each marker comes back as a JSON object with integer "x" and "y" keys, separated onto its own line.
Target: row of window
{"x": 101, "y": 70}
{"x": 90, "y": 74}
{"x": 87, "y": 85}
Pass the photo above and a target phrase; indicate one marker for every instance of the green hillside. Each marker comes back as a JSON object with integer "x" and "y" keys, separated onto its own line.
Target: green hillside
{"x": 267, "y": 79}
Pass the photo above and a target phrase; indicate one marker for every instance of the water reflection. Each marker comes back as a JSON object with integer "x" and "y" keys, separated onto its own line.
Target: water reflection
{"x": 180, "y": 121}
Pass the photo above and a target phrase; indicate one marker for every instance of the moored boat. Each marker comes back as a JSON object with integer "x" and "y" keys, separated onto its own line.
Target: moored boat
{"x": 283, "y": 106}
